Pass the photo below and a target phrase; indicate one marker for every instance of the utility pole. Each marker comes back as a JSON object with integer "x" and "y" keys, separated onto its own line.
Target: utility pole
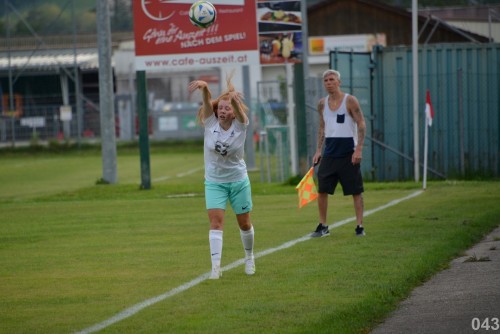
{"x": 106, "y": 96}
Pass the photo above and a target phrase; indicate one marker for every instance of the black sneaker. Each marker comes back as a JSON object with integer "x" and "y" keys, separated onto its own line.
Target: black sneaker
{"x": 321, "y": 231}
{"x": 360, "y": 231}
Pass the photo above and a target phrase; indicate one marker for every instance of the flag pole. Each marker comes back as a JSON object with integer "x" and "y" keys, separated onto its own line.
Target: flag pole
{"x": 426, "y": 143}
{"x": 416, "y": 153}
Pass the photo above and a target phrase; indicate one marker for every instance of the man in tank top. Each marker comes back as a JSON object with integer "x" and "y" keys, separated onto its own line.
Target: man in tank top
{"x": 342, "y": 131}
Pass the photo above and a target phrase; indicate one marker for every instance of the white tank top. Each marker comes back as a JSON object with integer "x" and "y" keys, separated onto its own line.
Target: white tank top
{"x": 340, "y": 130}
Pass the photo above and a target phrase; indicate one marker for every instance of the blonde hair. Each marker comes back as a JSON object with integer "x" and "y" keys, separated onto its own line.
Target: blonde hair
{"x": 330, "y": 71}
{"x": 226, "y": 96}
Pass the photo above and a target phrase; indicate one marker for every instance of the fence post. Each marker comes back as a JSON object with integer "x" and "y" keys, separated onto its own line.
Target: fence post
{"x": 142, "y": 109}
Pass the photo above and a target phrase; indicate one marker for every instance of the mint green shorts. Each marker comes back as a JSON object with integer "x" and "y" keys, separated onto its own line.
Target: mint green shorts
{"x": 239, "y": 195}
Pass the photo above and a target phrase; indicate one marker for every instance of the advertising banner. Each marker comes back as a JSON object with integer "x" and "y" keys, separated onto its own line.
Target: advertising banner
{"x": 165, "y": 38}
{"x": 280, "y": 31}
{"x": 322, "y": 45}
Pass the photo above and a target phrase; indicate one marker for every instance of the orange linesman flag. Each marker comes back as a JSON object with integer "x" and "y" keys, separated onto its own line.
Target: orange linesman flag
{"x": 307, "y": 189}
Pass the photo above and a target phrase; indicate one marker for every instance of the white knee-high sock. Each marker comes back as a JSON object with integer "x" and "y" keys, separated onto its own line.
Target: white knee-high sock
{"x": 215, "y": 239}
{"x": 247, "y": 238}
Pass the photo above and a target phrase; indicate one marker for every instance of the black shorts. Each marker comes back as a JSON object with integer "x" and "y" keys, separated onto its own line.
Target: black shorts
{"x": 332, "y": 170}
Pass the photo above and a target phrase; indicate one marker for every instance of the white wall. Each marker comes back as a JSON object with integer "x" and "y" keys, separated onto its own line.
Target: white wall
{"x": 481, "y": 28}
{"x": 123, "y": 59}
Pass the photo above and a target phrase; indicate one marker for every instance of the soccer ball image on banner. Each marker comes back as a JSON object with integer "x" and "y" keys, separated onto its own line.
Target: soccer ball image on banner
{"x": 202, "y": 14}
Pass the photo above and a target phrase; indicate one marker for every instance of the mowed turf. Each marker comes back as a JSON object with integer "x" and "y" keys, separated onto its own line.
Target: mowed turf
{"x": 75, "y": 254}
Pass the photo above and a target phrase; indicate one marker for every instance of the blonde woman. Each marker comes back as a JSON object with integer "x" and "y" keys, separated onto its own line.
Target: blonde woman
{"x": 225, "y": 120}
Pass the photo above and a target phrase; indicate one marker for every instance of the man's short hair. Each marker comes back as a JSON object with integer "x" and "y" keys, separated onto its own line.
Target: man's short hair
{"x": 330, "y": 71}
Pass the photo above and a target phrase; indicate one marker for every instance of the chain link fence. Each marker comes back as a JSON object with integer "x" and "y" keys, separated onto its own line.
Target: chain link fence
{"x": 274, "y": 141}
{"x": 34, "y": 124}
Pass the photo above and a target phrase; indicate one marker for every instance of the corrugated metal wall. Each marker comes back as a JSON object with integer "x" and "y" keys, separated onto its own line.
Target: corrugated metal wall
{"x": 464, "y": 83}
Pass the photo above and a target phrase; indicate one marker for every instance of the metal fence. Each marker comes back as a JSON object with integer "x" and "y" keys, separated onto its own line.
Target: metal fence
{"x": 274, "y": 141}
{"x": 43, "y": 123}
{"x": 48, "y": 122}
{"x": 464, "y": 84}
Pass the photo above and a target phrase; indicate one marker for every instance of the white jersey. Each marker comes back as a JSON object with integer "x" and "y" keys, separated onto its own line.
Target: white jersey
{"x": 224, "y": 151}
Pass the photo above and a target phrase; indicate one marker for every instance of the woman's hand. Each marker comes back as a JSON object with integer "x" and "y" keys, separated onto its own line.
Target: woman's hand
{"x": 236, "y": 97}
{"x": 197, "y": 84}
{"x": 236, "y": 103}
{"x": 207, "y": 109}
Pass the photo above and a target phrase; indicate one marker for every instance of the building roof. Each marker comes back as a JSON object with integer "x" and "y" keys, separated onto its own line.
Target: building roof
{"x": 48, "y": 53}
{"x": 48, "y": 60}
{"x": 341, "y": 17}
{"x": 471, "y": 13}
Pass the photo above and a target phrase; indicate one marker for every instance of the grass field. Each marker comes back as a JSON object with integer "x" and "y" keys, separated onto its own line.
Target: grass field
{"x": 74, "y": 254}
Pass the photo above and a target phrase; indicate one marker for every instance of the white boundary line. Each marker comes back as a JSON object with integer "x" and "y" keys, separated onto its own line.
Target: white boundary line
{"x": 148, "y": 302}
{"x": 189, "y": 172}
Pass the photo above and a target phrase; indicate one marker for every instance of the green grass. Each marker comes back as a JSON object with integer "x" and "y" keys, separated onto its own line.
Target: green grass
{"x": 74, "y": 254}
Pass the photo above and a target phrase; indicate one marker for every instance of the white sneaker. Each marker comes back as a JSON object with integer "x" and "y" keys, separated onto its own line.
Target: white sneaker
{"x": 216, "y": 273}
{"x": 250, "y": 265}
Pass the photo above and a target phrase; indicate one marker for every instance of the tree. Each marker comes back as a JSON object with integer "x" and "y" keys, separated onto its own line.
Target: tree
{"x": 44, "y": 19}
{"x": 121, "y": 18}
{"x": 86, "y": 22}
